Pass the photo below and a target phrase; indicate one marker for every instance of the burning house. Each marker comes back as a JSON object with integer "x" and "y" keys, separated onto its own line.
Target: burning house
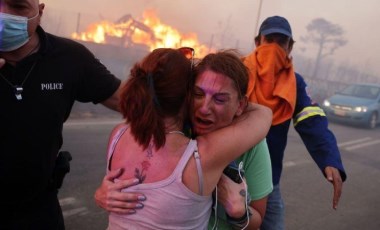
{"x": 128, "y": 39}
{"x": 120, "y": 44}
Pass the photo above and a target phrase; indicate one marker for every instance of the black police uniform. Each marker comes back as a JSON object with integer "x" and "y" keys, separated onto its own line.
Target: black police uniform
{"x": 61, "y": 72}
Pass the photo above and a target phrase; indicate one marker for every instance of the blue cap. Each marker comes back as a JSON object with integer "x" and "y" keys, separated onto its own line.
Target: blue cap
{"x": 275, "y": 24}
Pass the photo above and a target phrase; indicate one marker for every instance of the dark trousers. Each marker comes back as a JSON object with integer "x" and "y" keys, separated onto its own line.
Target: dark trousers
{"x": 43, "y": 213}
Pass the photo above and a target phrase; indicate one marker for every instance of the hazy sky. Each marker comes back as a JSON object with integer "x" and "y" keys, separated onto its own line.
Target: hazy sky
{"x": 234, "y": 21}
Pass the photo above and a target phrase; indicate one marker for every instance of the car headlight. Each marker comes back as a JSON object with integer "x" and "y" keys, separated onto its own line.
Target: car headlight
{"x": 360, "y": 109}
{"x": 326, "y": 103}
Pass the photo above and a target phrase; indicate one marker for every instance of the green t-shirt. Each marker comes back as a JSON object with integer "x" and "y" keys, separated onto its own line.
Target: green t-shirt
{"x": 258, "y": 174}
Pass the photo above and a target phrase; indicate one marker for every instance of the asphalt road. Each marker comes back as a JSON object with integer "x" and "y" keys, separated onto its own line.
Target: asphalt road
{"x": 307, "y": 195}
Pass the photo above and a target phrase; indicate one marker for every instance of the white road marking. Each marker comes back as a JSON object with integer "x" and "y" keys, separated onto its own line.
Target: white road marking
{"x": 75, "y": 211}
{"x": 348, "y": 146}
{"x": 354, "y": 141}
{"x": 362, "y": 145}
{"x": 67, "y": 201}
{"x": 289, "y": 164}
{"x": 359, "y": 143}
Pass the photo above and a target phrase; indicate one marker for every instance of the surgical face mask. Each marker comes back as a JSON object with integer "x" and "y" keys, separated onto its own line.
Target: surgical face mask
{"x": 13, "y": 31}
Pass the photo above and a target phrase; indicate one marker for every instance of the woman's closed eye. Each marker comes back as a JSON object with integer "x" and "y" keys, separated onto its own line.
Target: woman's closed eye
{"x": 221, "y": 99}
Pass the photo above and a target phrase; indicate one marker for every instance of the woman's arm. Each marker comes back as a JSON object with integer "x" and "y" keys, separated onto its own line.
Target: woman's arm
{"x": 242, "y": 134}
{"x": 230, "y": 196}
{"x": 220, "y": 147}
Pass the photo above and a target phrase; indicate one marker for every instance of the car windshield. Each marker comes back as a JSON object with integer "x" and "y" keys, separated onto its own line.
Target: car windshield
{"x": 364, "y": 91}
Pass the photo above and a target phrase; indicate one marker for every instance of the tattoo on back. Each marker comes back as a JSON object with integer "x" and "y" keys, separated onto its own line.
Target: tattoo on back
{"x": 149, "y": 151}
{"x": 141, "y": 175}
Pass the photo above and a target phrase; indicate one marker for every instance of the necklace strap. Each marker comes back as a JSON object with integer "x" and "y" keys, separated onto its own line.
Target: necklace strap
{"x": 175, "y": 132}
{"x": 19, "y": 88}
{"x": 26, "y": 77}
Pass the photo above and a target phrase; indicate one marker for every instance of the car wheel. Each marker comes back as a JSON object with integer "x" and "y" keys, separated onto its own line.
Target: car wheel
{"x": 372, "y": 121}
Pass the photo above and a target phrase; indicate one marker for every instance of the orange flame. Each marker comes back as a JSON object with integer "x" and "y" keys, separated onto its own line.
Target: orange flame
{"x": 150, "y": 32}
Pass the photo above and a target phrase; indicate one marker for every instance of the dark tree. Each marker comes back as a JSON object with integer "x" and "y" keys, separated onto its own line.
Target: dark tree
{"x": 327, "y": 36}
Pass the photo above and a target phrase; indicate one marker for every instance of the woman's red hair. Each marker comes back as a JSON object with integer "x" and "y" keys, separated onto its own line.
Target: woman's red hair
{"x": 157, "y": 88}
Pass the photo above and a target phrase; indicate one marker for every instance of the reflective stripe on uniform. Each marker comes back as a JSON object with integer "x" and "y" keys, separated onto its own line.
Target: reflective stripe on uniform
{"x": 308, "y": 112}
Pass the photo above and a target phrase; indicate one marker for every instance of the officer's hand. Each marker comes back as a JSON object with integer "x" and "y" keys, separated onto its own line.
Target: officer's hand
{"x": 333, "y": 175}
{"x": 110, "y": 197}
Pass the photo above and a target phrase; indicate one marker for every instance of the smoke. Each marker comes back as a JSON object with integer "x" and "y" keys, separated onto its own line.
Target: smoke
{"x": 231, "y": 23}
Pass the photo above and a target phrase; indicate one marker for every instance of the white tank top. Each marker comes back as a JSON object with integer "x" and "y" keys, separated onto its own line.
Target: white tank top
{"x": 169, "y": 204}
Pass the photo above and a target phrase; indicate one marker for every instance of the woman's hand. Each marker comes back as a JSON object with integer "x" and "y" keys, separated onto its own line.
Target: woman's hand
{"x": 232, "y": 196}
{"x": 110, "y": 197}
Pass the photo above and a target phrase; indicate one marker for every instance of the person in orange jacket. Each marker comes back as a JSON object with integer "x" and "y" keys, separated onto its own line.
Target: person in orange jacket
{"x": 274, "y": 83}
